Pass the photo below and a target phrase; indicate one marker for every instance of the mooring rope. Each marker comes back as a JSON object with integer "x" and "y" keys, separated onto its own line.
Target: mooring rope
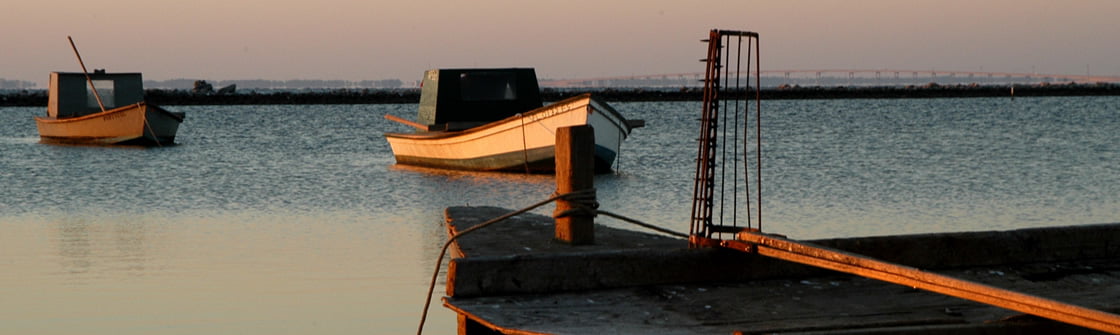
{"x": 583, "y": 200}
{"x": 524, "y": 144}
{"x": 642, "y": 224}
{"x": 585, "y": 204}
{"x": 443, "y": 251}
{"x": 618, "y": 153}
{"x": 149, "y": 126}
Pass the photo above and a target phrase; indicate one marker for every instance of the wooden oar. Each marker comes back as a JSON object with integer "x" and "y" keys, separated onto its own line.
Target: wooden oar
{"x": 88, "y": 79}
{"x": 406, "y": 122}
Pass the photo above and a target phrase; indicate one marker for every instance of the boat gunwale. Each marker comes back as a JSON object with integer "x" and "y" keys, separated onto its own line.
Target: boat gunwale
{"x": 591, "y": 102}
{"x": 143, "y": 106}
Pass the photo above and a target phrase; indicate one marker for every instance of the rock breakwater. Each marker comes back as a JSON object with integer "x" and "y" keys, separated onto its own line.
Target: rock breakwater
{"x": 395, "y": 96}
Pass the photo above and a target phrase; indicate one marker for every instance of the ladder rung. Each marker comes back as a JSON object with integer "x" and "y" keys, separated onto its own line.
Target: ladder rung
{"x": 726, "y": 229}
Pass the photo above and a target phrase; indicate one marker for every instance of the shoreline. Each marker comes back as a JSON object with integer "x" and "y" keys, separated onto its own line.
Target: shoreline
{"x": 38, "y": 98}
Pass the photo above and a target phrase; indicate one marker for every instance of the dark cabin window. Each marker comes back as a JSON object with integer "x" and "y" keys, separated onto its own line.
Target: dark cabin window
{"x": 498, "y": 86}
{"x": 105, "y": 88}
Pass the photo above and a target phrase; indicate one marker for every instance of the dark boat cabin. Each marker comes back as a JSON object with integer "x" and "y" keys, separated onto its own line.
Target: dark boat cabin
{"x": 71, "y": 96}
{"x": 454, "y": 99}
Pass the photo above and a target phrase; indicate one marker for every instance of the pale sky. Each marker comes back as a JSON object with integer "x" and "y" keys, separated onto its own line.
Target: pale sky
{"x": 371, "y": 39}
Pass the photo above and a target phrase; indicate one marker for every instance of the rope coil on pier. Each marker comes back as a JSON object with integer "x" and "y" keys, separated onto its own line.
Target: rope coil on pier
{"x": 583, "y": 200}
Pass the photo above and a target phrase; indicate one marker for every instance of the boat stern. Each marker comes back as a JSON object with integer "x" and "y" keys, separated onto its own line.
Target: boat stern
{"x": 161, "y": 125}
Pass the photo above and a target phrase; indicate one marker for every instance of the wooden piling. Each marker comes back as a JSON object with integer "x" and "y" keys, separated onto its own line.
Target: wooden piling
{"x": 575, "y": 170}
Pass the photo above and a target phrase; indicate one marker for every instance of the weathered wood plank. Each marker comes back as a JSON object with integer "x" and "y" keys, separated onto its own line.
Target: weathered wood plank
{"x": 809, "y": 254}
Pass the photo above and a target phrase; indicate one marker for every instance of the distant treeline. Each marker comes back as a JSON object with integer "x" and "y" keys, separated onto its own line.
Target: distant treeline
{"x": 276, "y": 84}
{"x": 15, "y": 84}
{"x": 412, "y": 95}
{"x": 241, "y": 84}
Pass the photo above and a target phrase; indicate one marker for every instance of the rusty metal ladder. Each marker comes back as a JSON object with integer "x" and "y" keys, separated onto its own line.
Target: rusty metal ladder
{"x": 727, "y": 96}
{"x": 715, "y": 214}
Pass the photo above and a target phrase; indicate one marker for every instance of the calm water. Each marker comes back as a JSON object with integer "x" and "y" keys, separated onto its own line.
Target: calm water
{"x": 294, "y": 220}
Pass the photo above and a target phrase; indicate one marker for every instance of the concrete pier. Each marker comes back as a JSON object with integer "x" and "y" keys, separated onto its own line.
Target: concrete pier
{"x": 514, "y": 278}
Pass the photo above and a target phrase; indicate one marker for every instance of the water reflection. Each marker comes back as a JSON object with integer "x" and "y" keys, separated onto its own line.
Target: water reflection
{"x": 335, "y": 271}
{"x": 475, "y": 176}
{"x": 130, "y": 240}
{"x": 294, "y": 219}
{"x": 74, "y": 247}
{"x": 102, "y": 247}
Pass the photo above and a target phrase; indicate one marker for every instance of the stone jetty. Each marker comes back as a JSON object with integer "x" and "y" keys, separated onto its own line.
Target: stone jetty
{"x": 244, "y": 96}
{"x": 513, "y": 277}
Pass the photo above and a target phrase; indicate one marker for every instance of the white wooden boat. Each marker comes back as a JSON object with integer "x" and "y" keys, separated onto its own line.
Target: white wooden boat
{"x": 516, "y": 141}
{"x": 75, "y": 117}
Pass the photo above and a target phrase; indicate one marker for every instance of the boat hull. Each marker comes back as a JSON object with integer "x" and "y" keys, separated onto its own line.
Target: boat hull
{"x": 524, "y": 142}
{"x": 135, "y": 124}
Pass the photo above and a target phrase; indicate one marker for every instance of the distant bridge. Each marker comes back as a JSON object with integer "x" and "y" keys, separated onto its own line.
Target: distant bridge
{"x": 839, "y": 76}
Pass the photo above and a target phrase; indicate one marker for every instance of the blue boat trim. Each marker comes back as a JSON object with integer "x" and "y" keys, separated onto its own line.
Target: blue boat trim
{"x": 540, "y": 160}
